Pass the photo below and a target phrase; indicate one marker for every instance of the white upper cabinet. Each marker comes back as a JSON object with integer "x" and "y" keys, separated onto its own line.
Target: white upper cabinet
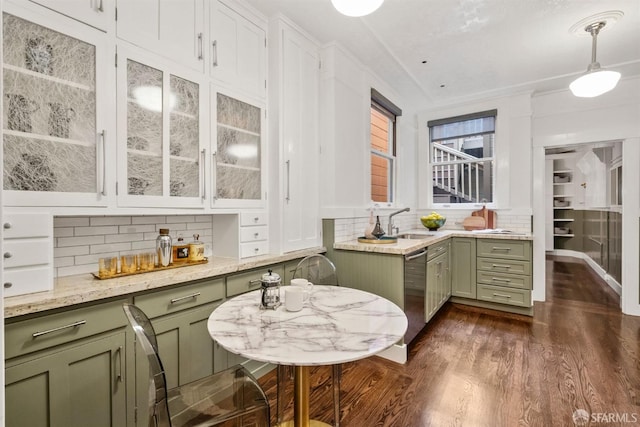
{"x": 54, "y": 115}
{"x": 92, "y": 12}
{"x": 238, "y": 155}
{"x": 171, "y": 28}
{"x": 238, "y": 51}
{"x": 160, "y": 132}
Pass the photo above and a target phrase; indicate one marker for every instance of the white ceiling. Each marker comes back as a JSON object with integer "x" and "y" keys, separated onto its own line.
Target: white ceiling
{"x": 473, "y": 48}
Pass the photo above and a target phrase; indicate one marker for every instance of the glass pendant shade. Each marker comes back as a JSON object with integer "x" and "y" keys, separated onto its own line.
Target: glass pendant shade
{"x": 356, "y": 7}
{"x": 594, "y": 83}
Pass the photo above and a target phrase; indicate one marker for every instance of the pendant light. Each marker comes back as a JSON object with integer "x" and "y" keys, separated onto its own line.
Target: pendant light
{"x": 356, "y": 7}
{"x": 596, "y": 80}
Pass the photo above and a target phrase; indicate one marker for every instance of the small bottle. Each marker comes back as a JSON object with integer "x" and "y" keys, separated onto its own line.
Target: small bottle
{"x": 368, "y": 232}
{"x": 180, "y": 251}
{"x": 196, "y": 249}
{"x": 163, "y": 247}
{"x": 378, "y": 232}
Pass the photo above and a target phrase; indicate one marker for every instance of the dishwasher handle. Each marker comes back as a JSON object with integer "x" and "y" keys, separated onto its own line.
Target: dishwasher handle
{"x": 415, "y": 255}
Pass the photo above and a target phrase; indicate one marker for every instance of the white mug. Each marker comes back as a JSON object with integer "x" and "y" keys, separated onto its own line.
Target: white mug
{"x": 302, "y": 283}
{"x": 294, "y": 298}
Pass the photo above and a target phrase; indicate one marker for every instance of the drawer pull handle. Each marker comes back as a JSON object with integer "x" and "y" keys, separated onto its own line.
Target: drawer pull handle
{"x": 194, "y": 295}
{"x": 60, "y": 328}
{"x": 8, "y": 255}
{"x": 254, "y": 282}
{"x": 500, "y": 266}
{"x": 501, "y": 295}
{"x": 498, "y": 279}
{"x": 500, "y": 248}
{"x": 7, "y": 225}
{"x": 7, "y": 285}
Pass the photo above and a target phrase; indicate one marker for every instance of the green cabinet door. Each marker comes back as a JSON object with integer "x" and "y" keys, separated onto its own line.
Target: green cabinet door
{"x": 463, "y": 267}
{"x": 436, "y": 286}
{"x": 74, "y": 385}
{"x": 186, "y": 349}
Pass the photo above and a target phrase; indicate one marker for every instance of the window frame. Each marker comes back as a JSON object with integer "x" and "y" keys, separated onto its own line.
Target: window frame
{"x": 391, "y": 112}
{"x": 491, "y": 160}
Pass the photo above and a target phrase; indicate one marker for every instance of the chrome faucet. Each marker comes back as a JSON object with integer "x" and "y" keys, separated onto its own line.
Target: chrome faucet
{"x": 390, "y": 226}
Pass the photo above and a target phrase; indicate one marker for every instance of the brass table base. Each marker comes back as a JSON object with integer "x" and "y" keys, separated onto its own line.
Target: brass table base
{"x": 301, "y": 388}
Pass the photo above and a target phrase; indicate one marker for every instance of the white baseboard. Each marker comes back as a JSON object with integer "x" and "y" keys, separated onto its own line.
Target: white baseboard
{"x": 396, "y": 353}
{"x": 613, "y": 283}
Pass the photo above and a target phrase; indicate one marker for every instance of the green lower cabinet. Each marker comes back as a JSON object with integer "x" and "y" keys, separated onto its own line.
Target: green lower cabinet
{"x": 75, "y": 385}
{"x": 463, "y": 267}
{"x": 438, "y": 286}
{"x": 186, "y": 349}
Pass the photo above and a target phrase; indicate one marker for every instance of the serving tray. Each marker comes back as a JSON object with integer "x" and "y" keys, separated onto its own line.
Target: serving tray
{"x": 156, "y": 268}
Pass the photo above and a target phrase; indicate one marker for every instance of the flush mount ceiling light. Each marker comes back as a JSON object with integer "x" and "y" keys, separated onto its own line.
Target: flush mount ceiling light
{"x": 356, "y": 7}
{"x": 596, "y": 80}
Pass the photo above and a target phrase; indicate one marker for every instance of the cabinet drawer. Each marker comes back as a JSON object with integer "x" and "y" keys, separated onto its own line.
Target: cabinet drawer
{"x": 20, "y": 253}
{"x": 437, "y": 249}
{"x": 510, "y": 296}
{"x": 504, "y": 279}
{"x": 250, "y": 281}
{"x": 504, "y": 266}
{"x": 19, "y": 281}
{"x": 254, "y": 249}
{"x": 502, "y": 248}
{"x": 26, "y": 336}
{"x": 176, "y": 299}
{"x": 253, "y": 218}
{"x": 23, "y": 225}
{"x": 252, "y": 234}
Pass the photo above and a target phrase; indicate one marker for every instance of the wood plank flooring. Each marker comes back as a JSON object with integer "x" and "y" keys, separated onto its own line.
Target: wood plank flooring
{"x": 476, "y": 367}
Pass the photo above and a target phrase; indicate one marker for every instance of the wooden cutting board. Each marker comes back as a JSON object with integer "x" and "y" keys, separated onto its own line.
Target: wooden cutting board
{"x": 473, "y": 223}
{"x": 490, "y": 217}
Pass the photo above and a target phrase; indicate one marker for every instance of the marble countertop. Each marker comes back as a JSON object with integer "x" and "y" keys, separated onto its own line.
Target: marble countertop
{"x": 337, "y": 325}
{"x": 407, "y": 246}
{"x": 84, "y": 288}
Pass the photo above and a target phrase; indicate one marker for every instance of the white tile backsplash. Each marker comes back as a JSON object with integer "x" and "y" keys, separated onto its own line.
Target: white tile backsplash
{"x": 80, "y": 241}
{"x": 352, "y": 228}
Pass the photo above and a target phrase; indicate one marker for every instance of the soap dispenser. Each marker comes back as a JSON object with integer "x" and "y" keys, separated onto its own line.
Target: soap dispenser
{"x": 368, "y": 232}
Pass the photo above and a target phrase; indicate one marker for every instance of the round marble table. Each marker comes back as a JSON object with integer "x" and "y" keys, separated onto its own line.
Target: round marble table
{"x": 336, "y": 325}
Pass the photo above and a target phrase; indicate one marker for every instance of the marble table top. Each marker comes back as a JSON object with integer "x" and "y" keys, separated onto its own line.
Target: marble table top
{"x": 337, "y": 325}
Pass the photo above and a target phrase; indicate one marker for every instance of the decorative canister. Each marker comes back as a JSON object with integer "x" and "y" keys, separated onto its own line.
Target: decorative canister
{"x": 270, "y": 291}
{"x": 196, "y": 249}
{"x": 164, "y": 247}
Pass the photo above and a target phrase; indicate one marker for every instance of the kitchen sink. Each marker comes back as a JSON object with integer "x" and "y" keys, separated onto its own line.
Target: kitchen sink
{"x": 414, "y": 236}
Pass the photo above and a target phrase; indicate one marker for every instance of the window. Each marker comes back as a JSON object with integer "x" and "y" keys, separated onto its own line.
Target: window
{"x": 383, "y": 147}
{"x": 462, "y": 158}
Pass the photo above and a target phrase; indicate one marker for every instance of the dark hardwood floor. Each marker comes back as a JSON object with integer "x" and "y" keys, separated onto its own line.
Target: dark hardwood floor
{"x": 475, "y": 367}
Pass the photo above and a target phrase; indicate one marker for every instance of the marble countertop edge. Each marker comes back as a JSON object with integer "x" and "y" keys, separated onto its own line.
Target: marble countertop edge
{"x": 83, "y": 288}
{"x": 407, "y": 246}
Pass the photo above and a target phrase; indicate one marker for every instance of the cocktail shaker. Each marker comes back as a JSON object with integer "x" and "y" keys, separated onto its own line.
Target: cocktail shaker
{"x": 164, "y": 247}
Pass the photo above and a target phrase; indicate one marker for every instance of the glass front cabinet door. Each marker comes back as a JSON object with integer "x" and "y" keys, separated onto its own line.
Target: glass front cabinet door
{"x": 160, "y": 133}
{"x": 238, "y": 158}
{"x": 53, "y": 121}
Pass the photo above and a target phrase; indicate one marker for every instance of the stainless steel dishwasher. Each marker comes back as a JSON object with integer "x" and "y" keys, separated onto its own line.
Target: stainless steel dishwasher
{"x": 415, "y": 274}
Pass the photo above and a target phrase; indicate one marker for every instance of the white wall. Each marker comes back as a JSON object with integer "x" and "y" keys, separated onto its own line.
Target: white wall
{"x": 559, "y": 119}
{"x": 345, "y": 87}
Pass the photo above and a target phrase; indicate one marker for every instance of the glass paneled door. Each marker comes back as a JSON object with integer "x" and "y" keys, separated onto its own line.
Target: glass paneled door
{"x": 52, "y": 142}
{"x": 165, "y": 164}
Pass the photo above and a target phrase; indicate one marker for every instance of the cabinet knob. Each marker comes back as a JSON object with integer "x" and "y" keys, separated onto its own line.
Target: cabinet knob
{"x": 7, "y": 225}
{"x": 256, "y": 235}
{"x": 7, "y": 285}
{"x": 256, "y": 219}
{"x": 8, "y": 255}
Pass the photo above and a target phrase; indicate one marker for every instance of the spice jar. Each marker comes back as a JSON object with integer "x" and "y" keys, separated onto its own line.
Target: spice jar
{"x": 163, "y": 247}
{"x": 196, "y": 249}
{"x": 180, "y": 251}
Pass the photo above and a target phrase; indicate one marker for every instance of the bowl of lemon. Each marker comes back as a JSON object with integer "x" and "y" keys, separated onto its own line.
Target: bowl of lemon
{"x": 433, "y": 221}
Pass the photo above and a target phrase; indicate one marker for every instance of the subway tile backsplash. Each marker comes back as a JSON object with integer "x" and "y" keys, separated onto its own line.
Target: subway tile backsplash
{"x": 80, "y": 241}
{"x": 352, "y": 228}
